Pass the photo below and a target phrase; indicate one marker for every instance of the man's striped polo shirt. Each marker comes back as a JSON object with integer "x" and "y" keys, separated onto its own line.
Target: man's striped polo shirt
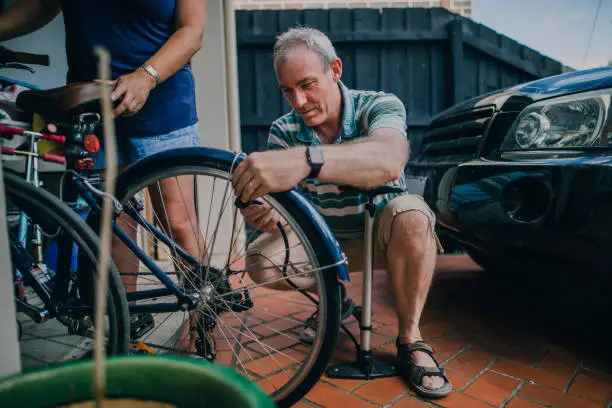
{"x": 364, "y": 112}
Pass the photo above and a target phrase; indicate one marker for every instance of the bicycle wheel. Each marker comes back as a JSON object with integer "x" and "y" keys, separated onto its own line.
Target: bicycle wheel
{"x": 262, "y": 340}
{"x": 66, "y": 331}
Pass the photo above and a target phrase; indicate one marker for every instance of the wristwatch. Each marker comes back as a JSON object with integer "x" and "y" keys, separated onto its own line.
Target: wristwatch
{"x": 314, "y": 156}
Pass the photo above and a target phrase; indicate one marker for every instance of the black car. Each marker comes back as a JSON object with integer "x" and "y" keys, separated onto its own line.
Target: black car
{"x": 524, "y": 175}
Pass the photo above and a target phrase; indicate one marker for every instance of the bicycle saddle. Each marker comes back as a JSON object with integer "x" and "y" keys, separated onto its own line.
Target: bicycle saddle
{"x": 59, "y": 103}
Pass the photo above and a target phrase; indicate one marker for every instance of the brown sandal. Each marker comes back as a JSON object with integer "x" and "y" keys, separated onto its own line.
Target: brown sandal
{"x": 414, "y": 374}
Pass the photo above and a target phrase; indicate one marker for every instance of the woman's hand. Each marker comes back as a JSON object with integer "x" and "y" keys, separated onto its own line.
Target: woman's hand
{"x": 133, "y": 90}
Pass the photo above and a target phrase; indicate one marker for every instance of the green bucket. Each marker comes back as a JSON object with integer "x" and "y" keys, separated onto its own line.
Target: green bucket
{"x": 135, "y": 381}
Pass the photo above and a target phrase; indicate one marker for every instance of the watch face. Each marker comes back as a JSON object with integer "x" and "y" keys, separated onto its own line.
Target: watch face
{"x": 316, "y": 156}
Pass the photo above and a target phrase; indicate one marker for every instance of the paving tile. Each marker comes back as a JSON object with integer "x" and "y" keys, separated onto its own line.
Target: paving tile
{"x": 592, "y": 386}
{"x": 436, "y": 329}
{"x": 410, "y": 402}
{"x": 555, "y": 398}
{"x": 492, "y": 347}
{"x": 560, "y": 362}
{"x": 347, "y": 385}
{"x": 518, "y": 402}
{"x": 301, "y": 316}
{"x": 383, "y": 390}
{"x": 529, "y": 373}
{"x": 328, "y": 396}
{"x": 342, "y": 356}
{"x": 282, "y": 341}
{"x": 505, "y": 352}
{"x": 455, "y": 264}
{"x": 451, "y": 343}
{"x": 268, "y": 301}
{"x": 502, "y": 336}
{"x": 457, "y": 380}
{"x": 275, "y": 327}
{"x": 596, "y": 363}
{"x": 384, "y": 318}
{"x": 275, "y": 382}
{"x": 269, "y": 364}
{"x": 261, "y": 347}
{"x": 228, "y": 357}
{"x": 519, "y": 357}
{"x": 470, "y": 362}
{"x": 458, "y": 400}
{"x": 528, "y": 350}
{"x": 492, "y": 388}
{"x": 303, "y": 404}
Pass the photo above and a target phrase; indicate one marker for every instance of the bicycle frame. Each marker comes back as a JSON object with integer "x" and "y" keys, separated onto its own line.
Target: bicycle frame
{"x": 55, "y": 298}
{"x": 76, "y": 187}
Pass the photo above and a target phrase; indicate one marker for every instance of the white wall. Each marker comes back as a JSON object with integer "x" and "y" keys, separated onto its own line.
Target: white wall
{"x": 214, "y": 68}
{"x": 10, "y": 362}
{"x": 48, "y": 40}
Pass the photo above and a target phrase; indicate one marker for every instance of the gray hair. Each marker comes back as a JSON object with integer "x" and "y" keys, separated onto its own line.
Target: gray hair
{"x": 313, "y": 39}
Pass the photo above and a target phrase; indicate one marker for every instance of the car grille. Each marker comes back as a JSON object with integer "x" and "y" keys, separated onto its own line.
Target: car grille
{"x": 455, "y": 138}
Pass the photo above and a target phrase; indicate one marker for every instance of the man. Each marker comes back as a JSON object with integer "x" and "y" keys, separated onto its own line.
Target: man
{"x": 362, "y": 139}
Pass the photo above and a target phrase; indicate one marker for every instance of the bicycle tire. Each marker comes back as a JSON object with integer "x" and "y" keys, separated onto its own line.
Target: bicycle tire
{"x": 195, "y": 160}
{"x": 41, "y": 206}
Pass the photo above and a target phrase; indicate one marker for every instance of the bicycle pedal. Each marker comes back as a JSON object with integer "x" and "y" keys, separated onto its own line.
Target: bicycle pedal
{"x": 140, "y": 325}
{"x": 141, "y": 348}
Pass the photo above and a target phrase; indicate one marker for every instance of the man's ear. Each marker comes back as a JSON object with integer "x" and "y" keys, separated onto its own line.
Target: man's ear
{"x": 336, "y": 69}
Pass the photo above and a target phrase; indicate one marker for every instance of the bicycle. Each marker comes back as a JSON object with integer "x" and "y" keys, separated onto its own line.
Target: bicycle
{"x": 49, "y": 243}
{"x": 216, "y": 310}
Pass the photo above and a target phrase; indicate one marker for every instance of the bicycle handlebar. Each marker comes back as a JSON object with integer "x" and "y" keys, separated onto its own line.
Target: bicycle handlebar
{"x": 9, "y": 131}
{"x": 54, "y": 158}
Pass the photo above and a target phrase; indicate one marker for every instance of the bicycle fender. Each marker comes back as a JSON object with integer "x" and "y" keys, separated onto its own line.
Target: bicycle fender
{"x": 212, "y": 157}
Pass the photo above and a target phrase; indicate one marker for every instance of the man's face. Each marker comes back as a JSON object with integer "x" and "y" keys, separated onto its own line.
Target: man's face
{"x": 309, "y": 88}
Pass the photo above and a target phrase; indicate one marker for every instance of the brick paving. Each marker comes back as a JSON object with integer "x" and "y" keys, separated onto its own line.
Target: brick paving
{"x": 497, "y": 349}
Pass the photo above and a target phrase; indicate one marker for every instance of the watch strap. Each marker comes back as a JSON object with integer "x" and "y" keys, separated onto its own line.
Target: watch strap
{"x": 314, "y": 171}
{"x": 315, "y": 168}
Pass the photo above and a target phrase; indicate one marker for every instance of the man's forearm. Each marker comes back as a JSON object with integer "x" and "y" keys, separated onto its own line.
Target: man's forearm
{"x": 369, "y": 162}
{"x": 26, "y": 16}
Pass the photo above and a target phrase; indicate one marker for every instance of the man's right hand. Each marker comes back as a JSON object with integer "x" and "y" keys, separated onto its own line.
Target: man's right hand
{"x": 261, "y": 217}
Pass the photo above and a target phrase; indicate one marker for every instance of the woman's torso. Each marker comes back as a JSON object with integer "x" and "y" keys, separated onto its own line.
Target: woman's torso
{"x": 132, "y": 31}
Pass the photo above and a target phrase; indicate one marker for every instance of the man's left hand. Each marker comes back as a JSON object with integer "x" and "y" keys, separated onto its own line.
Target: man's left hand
{"x": 269, "y": 172}
{"x": 133, "y": 89}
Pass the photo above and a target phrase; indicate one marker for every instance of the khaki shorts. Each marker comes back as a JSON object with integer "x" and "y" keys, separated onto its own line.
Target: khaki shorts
{"x": 271, "y": 245}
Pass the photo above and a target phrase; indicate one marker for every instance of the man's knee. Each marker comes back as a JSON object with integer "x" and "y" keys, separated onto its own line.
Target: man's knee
{"x": 413, "y": 230}
{"x": 259, "y": 268}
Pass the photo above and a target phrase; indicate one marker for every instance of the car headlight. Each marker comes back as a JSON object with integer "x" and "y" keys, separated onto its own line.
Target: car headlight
{"x": 574, "y": 121}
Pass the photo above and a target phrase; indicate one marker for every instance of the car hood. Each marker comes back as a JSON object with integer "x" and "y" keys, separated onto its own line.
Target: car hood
{"x": 518, "y": 96}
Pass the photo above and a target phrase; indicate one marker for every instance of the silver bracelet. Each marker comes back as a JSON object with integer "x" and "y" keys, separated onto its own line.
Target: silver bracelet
{"x": 151, "y": 71}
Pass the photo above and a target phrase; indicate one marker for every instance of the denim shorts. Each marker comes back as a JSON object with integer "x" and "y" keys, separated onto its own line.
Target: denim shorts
{"x": 131, "y": 149}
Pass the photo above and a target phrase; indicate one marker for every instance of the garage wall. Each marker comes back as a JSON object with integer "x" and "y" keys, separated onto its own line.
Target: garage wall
{"x": 48, "y": 40}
